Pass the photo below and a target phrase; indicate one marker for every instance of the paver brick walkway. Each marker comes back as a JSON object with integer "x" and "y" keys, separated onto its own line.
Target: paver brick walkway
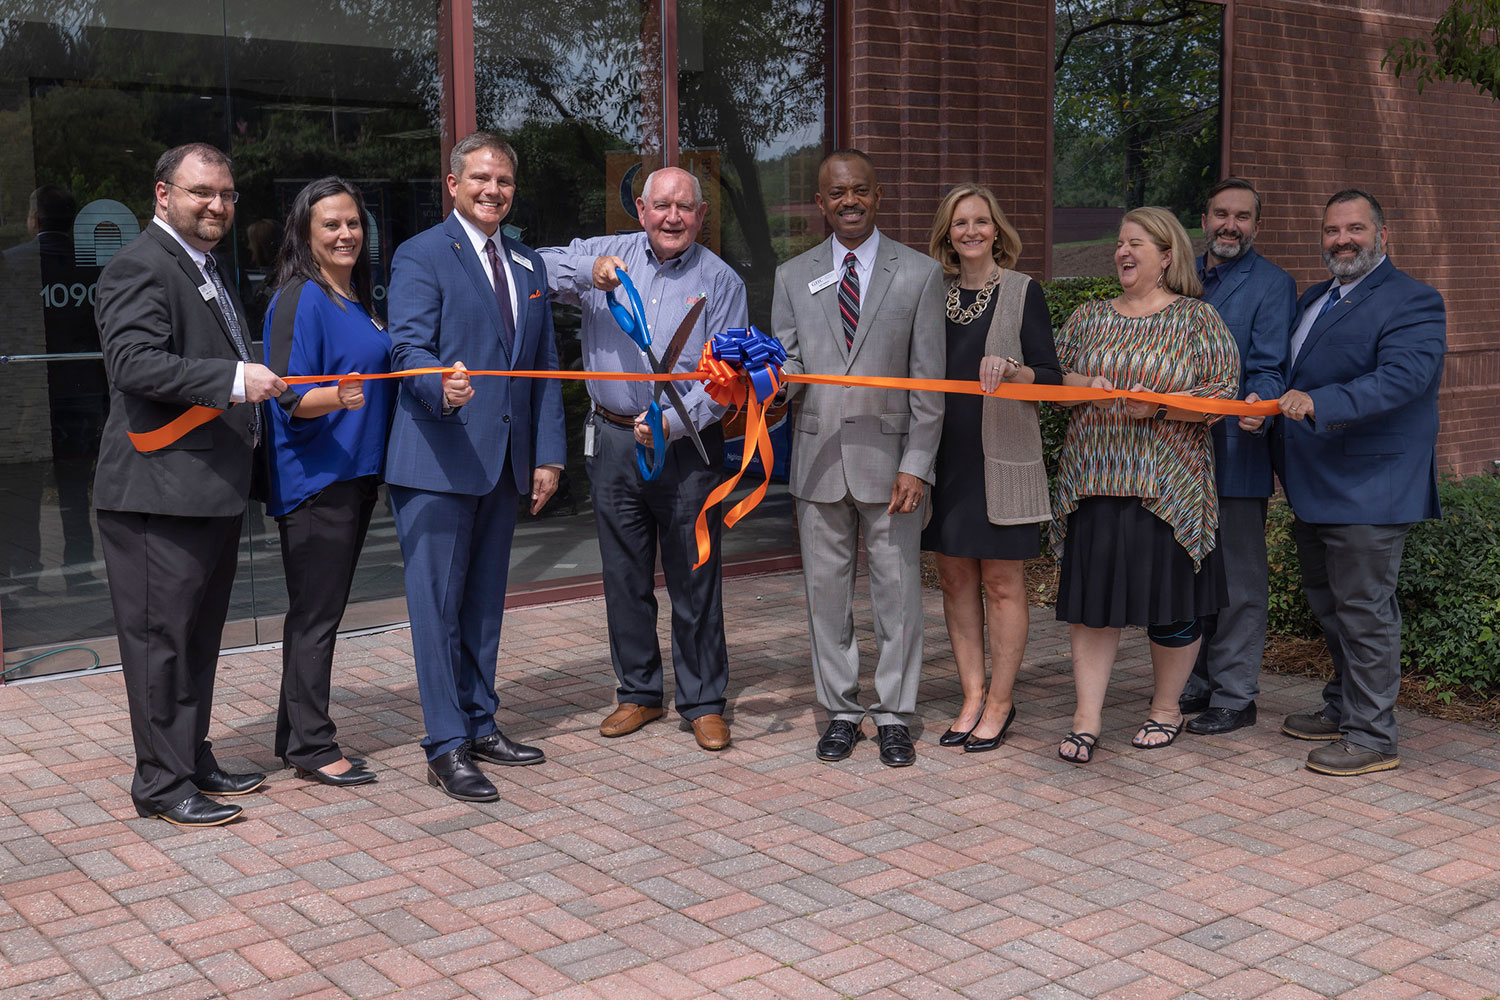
{"x": 644, "y": 867}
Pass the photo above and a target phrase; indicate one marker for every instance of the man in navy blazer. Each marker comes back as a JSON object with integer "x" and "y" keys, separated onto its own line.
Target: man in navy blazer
{"x": 461, "y": 456}
{"x": 1356, "y": 454}
{"x": 1255, "y": 299}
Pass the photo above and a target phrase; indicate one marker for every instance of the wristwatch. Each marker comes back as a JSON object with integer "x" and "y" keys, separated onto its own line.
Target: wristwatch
{"x": 1161, "y": 412}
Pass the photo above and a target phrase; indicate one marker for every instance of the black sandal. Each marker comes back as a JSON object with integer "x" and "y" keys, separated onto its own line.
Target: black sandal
{"x": 1171, "y": 730}
{"x": 1084, "y": 745}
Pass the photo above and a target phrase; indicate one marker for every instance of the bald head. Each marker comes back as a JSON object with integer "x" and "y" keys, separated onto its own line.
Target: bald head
{"x": 671, "y": 210}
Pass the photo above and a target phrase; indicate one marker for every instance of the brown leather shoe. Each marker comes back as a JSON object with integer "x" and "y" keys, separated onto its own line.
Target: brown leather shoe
{"x": 627, "y": 719}
{"x": 711, "y": 732}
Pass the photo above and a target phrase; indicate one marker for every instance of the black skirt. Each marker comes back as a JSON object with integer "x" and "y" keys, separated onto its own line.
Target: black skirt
{"x": 1121, "y": 566}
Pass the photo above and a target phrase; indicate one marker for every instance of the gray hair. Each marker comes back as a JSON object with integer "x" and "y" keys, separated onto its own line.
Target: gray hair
{"x": 473, "y": 144}
{"x": 697, "y": 185}
{"x": 1355, "y": 194}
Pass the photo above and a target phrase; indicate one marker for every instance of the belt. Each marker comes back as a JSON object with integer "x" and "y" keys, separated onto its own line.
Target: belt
{"x": 615, "y": 418}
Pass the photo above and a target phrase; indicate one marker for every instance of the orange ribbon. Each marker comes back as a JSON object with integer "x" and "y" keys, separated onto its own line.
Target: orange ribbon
{"x": 730, "y": 387}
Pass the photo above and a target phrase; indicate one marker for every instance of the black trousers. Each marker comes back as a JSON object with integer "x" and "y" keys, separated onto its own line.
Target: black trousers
{"x": 320, "y": 544}
{"x": 634, "y": 517}
{"x": 169, "y": 581}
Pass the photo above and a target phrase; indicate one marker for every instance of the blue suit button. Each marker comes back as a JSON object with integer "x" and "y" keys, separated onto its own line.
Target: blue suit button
{"x": 505, "y": 419}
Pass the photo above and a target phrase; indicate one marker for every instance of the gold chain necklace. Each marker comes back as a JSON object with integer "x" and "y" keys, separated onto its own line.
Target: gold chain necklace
{"x": 964, "y": 316}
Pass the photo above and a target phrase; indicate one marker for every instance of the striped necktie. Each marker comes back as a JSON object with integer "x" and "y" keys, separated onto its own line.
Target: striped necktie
{"x": 232, "y": 320}
{"x": 849, "y": 299}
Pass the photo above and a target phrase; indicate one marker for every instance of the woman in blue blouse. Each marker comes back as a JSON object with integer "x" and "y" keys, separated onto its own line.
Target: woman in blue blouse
{"x": 328, "y": 448}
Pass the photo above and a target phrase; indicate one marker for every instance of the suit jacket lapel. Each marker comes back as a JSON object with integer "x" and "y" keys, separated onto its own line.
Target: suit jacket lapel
{"x": 193, "y": 274}
{"x": 1343, "y": 308}
{"x": 822, "y": 264}
{"x": 525, "y": 283}
{"x": 469, "y": 261}
{"x": 1234, "y": 279}
{"x": 881, "y": 275}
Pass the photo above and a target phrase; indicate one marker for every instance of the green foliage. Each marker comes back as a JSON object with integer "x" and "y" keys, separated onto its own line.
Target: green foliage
{"x": 1448, "y": 590}
{"x": 1464, "y": 48}
{"x": 1136, "y": 105}
{"x": 1288, "y": 613}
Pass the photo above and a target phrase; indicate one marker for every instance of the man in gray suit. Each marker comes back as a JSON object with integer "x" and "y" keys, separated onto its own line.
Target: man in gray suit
{"x": 862, "y": 458}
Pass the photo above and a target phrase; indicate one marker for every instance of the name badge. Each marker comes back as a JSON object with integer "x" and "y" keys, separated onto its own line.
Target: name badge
{"x": 520, "y": 260}
{"x": 818, "y": 284}
{"x": 207, "y": 291}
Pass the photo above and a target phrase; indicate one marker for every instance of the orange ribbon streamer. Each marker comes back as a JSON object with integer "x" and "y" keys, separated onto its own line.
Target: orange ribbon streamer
{"x": 730, "y": 387}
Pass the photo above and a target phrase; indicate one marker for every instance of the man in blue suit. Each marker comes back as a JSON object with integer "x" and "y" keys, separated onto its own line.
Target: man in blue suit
{"x": 1255, "y": 299}
{"x": 1356, "y": 454}
{"x": 460, "y": 457}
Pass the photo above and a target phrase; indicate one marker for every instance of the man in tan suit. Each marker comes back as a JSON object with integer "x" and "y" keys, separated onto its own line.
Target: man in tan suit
{"x": 862, "y": 458}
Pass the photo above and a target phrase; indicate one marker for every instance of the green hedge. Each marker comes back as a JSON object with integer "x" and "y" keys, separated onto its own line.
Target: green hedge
{"x": 1448, "y": 591}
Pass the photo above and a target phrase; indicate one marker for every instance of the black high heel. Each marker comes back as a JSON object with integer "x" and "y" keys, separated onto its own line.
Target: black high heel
{"x": 356, "y": 775}
{"x": 954, "y": 738}
{"x": 981, "y": 745}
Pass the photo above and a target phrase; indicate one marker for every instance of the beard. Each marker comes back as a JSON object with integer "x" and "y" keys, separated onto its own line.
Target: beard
{"x": 1225, "y": 252}
{"x": 1363, "y": 262}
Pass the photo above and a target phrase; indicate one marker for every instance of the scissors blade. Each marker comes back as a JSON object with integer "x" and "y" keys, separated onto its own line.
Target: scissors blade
{"x": 664, "y": 366}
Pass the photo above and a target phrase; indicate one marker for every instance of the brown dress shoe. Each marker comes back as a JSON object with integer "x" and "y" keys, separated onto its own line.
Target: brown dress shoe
{"x": 627, "y": 719}
{"x": 711, "y": 732}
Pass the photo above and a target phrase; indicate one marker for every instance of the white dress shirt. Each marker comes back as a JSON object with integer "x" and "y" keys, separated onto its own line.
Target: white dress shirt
{"x": 864, "y": 259}
{"x": 478, "y": 239}
{"x": 1310, "y": 315}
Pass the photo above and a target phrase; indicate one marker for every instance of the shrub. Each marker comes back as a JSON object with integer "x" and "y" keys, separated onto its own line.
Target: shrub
{"x": 1448, "y": 590}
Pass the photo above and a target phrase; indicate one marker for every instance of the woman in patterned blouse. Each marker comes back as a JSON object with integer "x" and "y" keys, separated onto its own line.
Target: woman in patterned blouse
{"x": 1135, "y": 517}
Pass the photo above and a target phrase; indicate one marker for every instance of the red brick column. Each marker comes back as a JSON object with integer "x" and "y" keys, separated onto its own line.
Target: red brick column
{"x": 943, "y": 93}
{"x": 1313, "y": 112}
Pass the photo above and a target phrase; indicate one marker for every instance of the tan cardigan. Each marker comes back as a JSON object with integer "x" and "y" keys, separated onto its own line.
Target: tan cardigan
{"x": 1015, "y": 480}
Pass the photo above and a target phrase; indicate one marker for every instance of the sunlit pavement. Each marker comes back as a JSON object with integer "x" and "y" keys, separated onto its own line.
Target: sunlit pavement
{"x": 645, "y": 867}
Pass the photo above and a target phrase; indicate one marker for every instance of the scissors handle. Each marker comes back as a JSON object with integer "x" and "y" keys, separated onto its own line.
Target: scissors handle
{"x": 651, "y": 469}
{"x": 632, "y": 320}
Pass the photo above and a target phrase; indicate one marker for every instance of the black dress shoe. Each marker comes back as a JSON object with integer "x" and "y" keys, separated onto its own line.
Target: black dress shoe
{"x": 195, "y": 810}
{"x": 1223, "y": 720}
{"x": 224, "y": 783}
{"x": 457, "y": 775}
{"x": 496, "y": 749}
{"x": 355, "y": 775}
{"x": 896, "y": 748}
{"x": 1191, "y": 706}
{"x": 954, "y": 738}
{"x": 979, "y": 745}
{"x": 838, "y": 740}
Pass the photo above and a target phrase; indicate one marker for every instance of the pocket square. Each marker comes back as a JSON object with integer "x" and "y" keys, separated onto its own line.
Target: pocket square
{"x": 537, "y": 294}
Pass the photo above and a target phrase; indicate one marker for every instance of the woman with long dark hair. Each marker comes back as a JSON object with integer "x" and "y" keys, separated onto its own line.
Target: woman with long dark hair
{"x": 328, "y": 451}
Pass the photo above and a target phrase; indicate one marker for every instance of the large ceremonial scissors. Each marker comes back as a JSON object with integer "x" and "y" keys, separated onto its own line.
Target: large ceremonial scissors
{"x": 633, "y": 321}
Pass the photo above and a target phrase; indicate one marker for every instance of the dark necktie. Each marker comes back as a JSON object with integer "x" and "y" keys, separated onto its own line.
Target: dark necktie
{"x": 232, "y": 320}
{"x": 1329, "y": 302}
{"x": 849, "y": 299}
{"x": 502, "y": 297}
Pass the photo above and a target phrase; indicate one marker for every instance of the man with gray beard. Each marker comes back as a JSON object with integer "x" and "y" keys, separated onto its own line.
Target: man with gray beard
{"x": 1255, "y": 299}
{"x": 1356, "y": 454}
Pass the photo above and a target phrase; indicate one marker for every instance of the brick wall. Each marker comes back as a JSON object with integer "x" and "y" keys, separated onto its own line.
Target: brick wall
{"x": 947, "y": 92}
{"x": 1312, "y": 111}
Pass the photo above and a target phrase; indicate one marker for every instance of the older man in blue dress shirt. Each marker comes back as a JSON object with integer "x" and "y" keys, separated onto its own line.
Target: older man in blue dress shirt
{"x": 634, "y": 516}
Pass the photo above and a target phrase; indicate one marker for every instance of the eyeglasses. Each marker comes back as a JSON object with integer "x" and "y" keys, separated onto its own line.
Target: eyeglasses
{"x": 205, "y": 196}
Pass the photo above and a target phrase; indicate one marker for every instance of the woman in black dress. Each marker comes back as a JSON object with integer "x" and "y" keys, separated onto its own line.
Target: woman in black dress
{"x": 990, "y": 493}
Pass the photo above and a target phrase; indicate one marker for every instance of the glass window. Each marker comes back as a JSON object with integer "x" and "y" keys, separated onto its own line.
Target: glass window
{"x": 91, "y": 93}
{"x": 1136, "y": 120}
